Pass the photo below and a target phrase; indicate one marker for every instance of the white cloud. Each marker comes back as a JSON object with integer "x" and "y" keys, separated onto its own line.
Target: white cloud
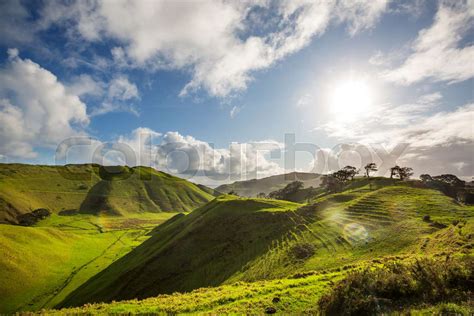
{"x": 361, "y": 14}
{"x": 437, "y": 53}
{"x": 122, "y": 89}
{"x": 14, "y": 26}
{"x": 235, "y": 110}
{"x": 120, "y": 93}
{"x": 436, "y": 142}
{"x": 86, "y": 85}
{"x": 36, "y": 109}
{"x": 178, "y": 154}
{"x": 213, "y": 40}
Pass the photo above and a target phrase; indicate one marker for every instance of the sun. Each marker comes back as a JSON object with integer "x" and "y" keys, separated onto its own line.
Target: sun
{"x": 350, "y": 98}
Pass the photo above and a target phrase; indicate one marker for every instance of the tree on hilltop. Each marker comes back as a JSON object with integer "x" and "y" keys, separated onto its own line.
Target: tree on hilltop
{"x": 370, "y": 167}
{"x": 394, "y": 171}
{"x": 350, "y": 171}
{"x": 405, "y": 173}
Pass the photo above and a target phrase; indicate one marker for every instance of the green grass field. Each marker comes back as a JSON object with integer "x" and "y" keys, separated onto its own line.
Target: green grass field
{"x": 41, "y": 265}
{"x": 231, "y": 255}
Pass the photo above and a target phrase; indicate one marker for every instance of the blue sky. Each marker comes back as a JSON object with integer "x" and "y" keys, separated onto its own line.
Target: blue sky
{"x": 197, "y": 77}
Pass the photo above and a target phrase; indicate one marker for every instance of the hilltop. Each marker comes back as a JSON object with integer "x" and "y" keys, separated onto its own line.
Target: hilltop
{"x": 235, "y": 239}
{"x": 250, "y": 188}
{"x": 93, "y": 189}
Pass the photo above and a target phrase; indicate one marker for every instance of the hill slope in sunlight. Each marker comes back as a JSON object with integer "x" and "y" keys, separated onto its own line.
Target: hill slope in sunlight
{"x": 88, "y": 189}
{"x": 237, "y": 239}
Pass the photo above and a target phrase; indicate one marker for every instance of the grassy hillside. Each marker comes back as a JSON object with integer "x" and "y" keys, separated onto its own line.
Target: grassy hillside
{"x": 307, "y": 294}
{"x": 203, "y": 248}
{"x": 41, "y": 265}
{"x": 251, "y": 188}
{"x": 88, "y": 189}
{"x": 236, "y": 239}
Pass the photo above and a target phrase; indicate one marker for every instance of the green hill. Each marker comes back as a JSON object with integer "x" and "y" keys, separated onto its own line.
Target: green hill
{"x": 251, "y": 188}
{"x": 236, "y": 239}
{"x": 203, "y": 248}
{"x": 89, "y": 189}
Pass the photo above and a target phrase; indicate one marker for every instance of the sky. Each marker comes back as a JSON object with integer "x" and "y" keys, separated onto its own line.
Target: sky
{"x": 218, "y": 91}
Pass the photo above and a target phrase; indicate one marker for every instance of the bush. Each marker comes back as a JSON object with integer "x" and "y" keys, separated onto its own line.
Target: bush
{"x": 302, "y": 251}
{"x": 427, "y": 218}
{"x": 396, "y": 285}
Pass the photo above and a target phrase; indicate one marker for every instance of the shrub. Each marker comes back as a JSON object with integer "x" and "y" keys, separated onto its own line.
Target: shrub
{"x": 426, "y": 218}
{"x": 396, "y": 285}
{"x": 302, "y": 251}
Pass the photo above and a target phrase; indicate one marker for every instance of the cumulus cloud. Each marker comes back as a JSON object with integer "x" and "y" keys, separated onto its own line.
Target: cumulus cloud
{"x": 86, "y": 85}
{"x": 118, "y": 98}
{"x": 214, "y": 40}
{"x": 438, "y": 53}
{"x": 35, "y": 109}
{"x": 182, "y": 155}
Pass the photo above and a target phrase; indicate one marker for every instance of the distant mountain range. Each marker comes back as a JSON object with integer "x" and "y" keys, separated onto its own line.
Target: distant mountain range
{"x": 253, "y": 187}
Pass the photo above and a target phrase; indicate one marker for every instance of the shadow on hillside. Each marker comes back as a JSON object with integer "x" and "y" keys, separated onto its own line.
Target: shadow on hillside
{"x": 97, "y": 200}
{"x": 203, "y": 248}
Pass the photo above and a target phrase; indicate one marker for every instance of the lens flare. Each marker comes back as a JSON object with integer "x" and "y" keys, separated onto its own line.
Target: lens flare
{"x": 356, "y": 232}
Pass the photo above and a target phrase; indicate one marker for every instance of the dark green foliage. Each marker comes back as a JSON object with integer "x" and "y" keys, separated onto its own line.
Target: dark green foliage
{"x": 450, "y": 185}
{"x": 397, "y": 285}
{"x": 302, "y": 251}
{"x": 404, "y": 173}
{"x": 29, "y": 219}
{"x": 331, "y": 183}
{"x": 286, "y": 193}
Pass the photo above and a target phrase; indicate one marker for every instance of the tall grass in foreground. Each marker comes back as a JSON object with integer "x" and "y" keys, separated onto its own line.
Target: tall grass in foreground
{"x": 396, "y": 286}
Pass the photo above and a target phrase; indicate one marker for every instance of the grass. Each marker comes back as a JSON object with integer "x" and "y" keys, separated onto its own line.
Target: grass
{"x": 24, "y": 188}
{"x": 396, "y": 285}
{"x": 203, "y": 248}
{"x": 295, "y": 295}
{"x": 232, "y": 255}
{"x": 41, "y": 265}
{"x": 240, "y": 239}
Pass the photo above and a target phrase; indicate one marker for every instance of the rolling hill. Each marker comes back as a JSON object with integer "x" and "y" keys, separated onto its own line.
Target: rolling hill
{"x": 251, "y": 188}
{"x": 91, "y": 189}
{"x": 235, "y": 239}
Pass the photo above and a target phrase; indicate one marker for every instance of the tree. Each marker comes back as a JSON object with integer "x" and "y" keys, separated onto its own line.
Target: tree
{"x": 394, "y": 171}
{"x": 369, "y": 168}
{"x": 449, "y": 179}
{"x": 340, "y": 175}
{"x": 405, "y": 173}
{"x": 261, "y": 195}
{"x": 331, "y": 183}
{"x": 426, "y": 177}
{"x": 287, "y": 191}
{"x": 350, "y": 171}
